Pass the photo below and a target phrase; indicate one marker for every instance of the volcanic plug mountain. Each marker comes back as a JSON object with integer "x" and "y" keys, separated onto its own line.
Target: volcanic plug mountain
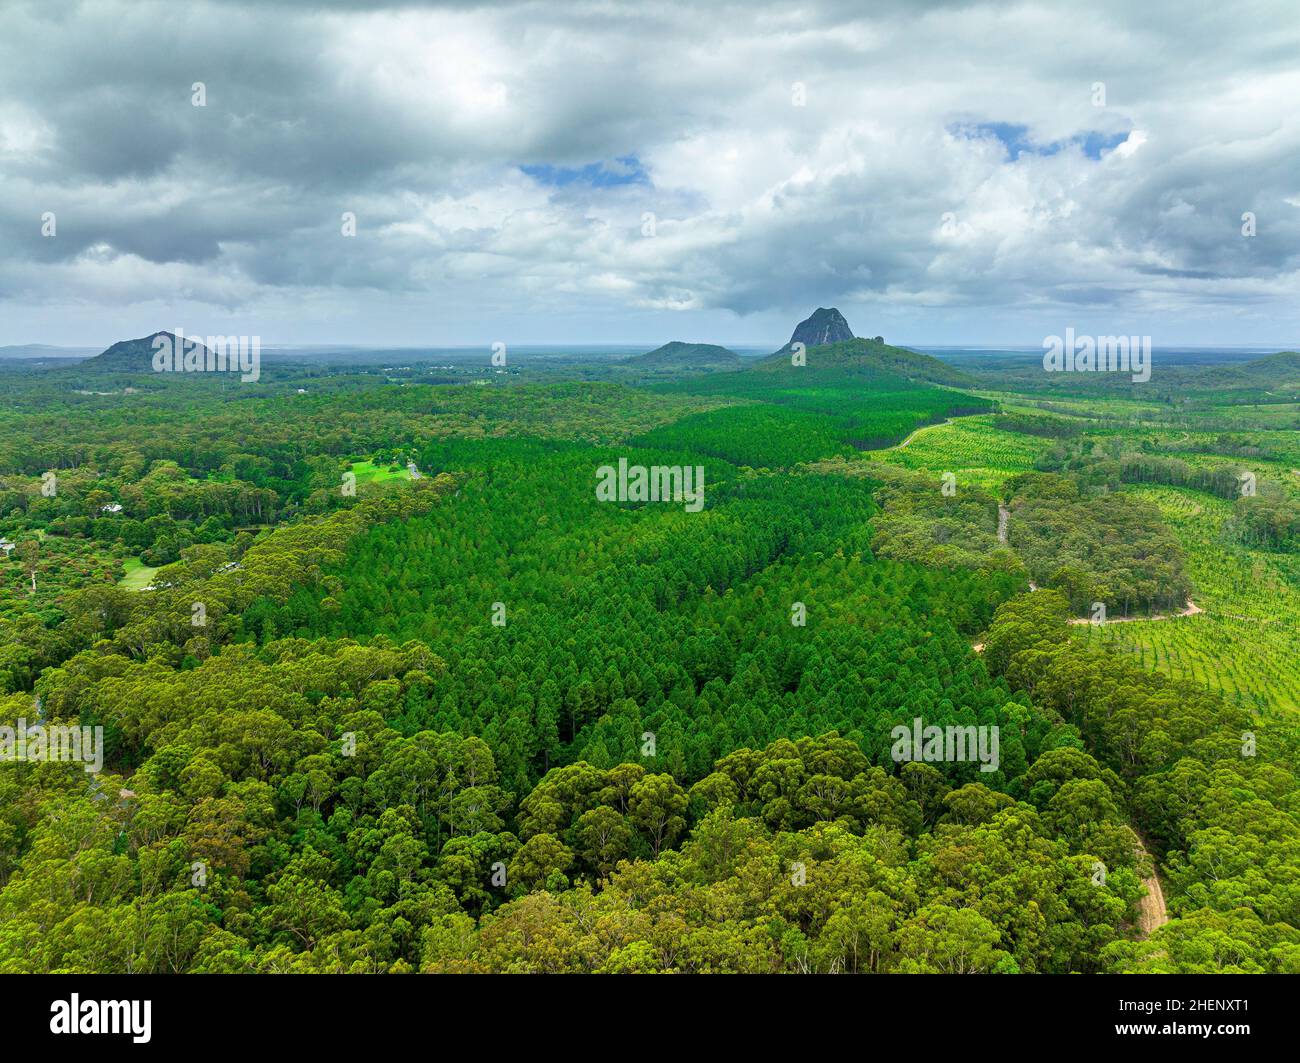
{"x": 824, "y": 326}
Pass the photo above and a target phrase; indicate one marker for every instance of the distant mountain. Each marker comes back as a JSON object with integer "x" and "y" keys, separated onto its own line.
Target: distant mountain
{"x": 830, "y": 344}
{"x": 822, "y": 327}
{"x": 1272, "y": 377}
{"x": 1281, "y": 370}
{"x": 679, "y": 355}
{"x": 136, "y": 356}
{"x": 44, "y": 351}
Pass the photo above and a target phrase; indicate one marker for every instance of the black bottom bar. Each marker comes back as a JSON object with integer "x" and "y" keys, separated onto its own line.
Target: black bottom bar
{"x": 507, "y": 1013}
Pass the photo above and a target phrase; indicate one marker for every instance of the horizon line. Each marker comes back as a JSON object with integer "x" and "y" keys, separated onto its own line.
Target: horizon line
{"x": 597, "y": 345}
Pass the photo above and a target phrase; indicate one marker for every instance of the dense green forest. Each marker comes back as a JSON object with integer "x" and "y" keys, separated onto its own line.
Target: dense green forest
{"x": 1095, "y": 546}
{"x": 478, "y": 720}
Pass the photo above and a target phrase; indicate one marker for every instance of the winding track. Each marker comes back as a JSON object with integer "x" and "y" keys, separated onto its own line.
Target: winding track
{"x": 917, "y": 431}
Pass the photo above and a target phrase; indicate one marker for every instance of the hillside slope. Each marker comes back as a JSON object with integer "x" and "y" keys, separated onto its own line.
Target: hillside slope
{"x": 136, "y": 356}
{"x": 680, "y": 355}
{"x": 870, "y": 355}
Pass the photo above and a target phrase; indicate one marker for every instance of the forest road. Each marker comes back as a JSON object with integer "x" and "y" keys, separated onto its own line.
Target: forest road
{"x": 1191, "y": 609}
{"x": 1151, "y": 909}
{"x": 1004, "y": 518}
{"x": 1152, "y": 913}
{"x": 917, "y": 431}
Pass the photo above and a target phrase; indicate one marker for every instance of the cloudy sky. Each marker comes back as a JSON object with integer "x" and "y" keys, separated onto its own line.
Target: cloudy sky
{"x": 608, "y": 172}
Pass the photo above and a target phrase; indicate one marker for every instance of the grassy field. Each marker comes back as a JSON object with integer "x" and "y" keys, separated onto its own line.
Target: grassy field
{"x": 138, "y": 574}
{"x": 1247, "y": 642}
{"x": 971, "y": 448}
{"x": 1281, "y": 415}
{"x": 368, "y": 472}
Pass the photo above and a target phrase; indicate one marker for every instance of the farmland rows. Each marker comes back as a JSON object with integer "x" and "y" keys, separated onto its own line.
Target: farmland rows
{"x": 970, "y": 447}
{"x": 1247, "y": 641}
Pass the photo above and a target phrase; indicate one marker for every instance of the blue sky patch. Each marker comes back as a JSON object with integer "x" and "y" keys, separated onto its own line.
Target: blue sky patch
{"x": 624, "y": 170}
{"x": 1017, "y": 141}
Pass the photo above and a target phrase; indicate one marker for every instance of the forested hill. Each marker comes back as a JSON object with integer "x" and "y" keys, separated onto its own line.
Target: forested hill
{"x": 136, "y": 356}
{"x": 865, "y": 355}
{"x": 1281, "y": 371}
{"x": 679, "y": 355}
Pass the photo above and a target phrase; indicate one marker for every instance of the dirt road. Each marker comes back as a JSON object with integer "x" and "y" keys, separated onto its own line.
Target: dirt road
{"x": 1152, "y": 913}
{"x": 1004, "y": 517}
{"x": 1191, "y": 610}
{"x": 1151, "y": 909}
{"x": 916, "y": 432}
